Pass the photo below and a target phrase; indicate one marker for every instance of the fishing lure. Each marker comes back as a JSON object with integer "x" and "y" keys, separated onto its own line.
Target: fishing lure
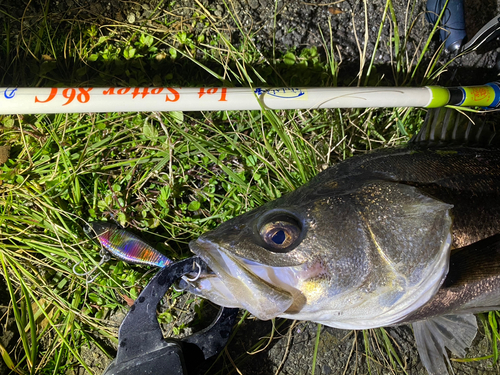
{"x": 126, "y": 246}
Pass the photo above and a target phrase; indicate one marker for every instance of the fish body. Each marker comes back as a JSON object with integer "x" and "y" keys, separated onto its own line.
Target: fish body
{"x": 370, "y": 241}
{"x": 379, "y": 225}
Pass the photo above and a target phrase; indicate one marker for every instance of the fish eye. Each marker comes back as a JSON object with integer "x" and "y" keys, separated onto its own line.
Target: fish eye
{"x": 280, "y": 233}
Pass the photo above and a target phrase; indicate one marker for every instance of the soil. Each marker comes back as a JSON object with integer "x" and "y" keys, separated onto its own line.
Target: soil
{"x": 284, "y": 25}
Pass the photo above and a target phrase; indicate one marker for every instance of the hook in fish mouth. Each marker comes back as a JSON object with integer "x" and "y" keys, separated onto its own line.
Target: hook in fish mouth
{"x": 188, "y": 280}
{"x": 192, "y": 279}
{"x": 231, "y": 281}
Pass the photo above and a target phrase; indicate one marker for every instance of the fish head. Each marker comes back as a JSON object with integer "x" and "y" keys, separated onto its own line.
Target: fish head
{"x": 352, "y": 258}
{"x": 254, "y": 263}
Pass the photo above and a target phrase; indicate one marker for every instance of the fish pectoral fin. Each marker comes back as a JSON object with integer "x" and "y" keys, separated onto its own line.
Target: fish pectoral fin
{"x": 454, "y": 332}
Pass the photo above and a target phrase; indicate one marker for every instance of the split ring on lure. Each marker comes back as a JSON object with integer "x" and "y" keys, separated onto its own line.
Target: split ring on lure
{"x": 125, "y": 245}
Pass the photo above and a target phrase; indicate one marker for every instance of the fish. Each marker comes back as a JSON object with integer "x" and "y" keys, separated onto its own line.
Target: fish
{"x": 409, "y": 235}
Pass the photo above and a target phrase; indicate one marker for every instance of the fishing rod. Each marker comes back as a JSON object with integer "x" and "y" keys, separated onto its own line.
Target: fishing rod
{"x": 24, "y": 100}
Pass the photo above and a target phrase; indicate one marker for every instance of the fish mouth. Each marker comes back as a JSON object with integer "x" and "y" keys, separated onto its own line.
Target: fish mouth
{"x": 231, "y": 281}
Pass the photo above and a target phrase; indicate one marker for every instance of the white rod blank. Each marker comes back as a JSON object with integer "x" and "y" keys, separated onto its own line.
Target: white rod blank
{"x": 147, "y": 99}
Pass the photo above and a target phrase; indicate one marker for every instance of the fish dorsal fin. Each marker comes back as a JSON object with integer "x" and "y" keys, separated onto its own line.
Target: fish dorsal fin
{"x": 449, "y": 127}
{"x": 455, "y": 332}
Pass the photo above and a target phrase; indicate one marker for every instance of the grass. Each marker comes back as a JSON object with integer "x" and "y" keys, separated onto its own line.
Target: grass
{"x": 168, "y": 176}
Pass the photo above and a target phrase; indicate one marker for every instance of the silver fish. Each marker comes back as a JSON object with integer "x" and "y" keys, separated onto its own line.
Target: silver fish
{"x": 407, "y": 235}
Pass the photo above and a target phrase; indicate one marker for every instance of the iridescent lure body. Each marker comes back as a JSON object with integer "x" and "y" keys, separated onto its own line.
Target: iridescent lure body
{"x": 126, "y": 246}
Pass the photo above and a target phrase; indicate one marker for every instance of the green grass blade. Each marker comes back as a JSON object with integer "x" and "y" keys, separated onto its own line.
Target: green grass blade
{"x": 316, "y": 345}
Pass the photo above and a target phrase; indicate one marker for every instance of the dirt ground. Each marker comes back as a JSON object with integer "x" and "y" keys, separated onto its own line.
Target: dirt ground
{"x": 303, "y": 24}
